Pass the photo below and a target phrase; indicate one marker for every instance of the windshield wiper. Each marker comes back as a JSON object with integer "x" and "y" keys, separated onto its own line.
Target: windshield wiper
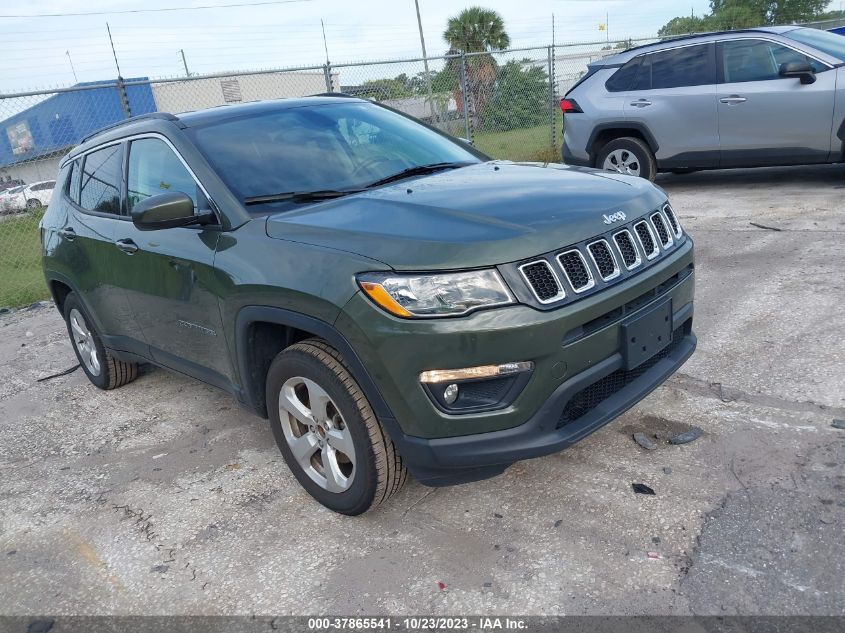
{"x": 419, "y": 170}
{"x": 301, "y": 196}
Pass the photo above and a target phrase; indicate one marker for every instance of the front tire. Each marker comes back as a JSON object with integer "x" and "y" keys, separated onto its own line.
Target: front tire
{"x": 103, "y": 370}
{"x": 33, "y": 204}
{"x": 327, "y": 431}
{"x": 628, "y": 155}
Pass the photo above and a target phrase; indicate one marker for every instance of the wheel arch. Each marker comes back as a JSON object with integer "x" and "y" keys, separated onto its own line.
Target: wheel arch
{"x": 261, "y": 332}
{"x": 606, "y": 132}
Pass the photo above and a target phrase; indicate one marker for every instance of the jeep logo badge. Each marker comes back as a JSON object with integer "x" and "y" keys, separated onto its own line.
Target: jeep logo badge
{"x": 615, "y": 217}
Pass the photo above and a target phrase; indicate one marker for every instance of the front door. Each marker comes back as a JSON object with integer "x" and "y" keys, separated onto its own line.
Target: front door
{"x": 766, "y": 119}
{"x": 169, "y": 274}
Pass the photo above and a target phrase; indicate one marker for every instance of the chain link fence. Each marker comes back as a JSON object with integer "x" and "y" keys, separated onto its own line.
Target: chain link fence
{"x": 505, "y": 102}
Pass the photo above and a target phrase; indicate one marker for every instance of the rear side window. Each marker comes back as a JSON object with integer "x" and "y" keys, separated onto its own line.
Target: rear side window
{"x": 685, "y": 66}
{"x": 74, "y": 180}
{"x": 626, "y": 77}
{"x": 100, "y": 186}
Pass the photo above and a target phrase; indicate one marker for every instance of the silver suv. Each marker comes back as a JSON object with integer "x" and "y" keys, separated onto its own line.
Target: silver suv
{"x": 751, "y": 98}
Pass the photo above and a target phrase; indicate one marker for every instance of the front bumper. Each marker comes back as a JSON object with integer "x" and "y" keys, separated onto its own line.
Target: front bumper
{"x": 572, "y": 347}
{"x": 451, "y": 460}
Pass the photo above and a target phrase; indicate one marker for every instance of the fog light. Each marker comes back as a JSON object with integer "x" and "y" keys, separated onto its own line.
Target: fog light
{"x": 450, "y": 394}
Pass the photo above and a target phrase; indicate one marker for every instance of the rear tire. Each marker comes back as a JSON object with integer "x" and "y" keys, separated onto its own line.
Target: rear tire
{"x": 628, "y": 155}
{"x": 33, "y": 205}
{"x": 327, "y": 431}
{"x": 103, "y": 370}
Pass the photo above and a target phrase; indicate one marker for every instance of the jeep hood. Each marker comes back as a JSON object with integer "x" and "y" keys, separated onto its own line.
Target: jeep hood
{"x": 480, "y": 215}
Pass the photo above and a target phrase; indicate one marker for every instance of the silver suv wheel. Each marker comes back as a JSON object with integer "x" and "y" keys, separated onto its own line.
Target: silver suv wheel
{"x": 84, "y": 342}
{"x": 317, "y": 434}
{"x": 623, "y": 162}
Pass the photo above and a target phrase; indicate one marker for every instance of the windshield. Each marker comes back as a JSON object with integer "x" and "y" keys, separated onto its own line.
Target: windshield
{"x": 826, "y": 42}
{"x": 338, "y": 146}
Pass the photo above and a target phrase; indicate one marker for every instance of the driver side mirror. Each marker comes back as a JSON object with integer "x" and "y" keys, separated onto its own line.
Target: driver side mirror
{"x": 168, "y": 210}
{"x": 800, "y": 70}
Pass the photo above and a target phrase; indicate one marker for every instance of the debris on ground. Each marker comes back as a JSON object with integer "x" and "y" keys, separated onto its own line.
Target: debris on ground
{"x": 653, "y": 555}
{"x": 685, "y": 438}
{"x": 763, "y": 226}
{"x": 70, "y": 370}
{"x": 441, "y": 585}
{"x": 645, "y": 441}
{"x": 558, "y": 523}
{"x": 498, "y": 516}
{"x": 642, "y": 489}
{"x": 838, "y": 424}
{"x": 160, "y": 569}
{"x": 667, "y": 470}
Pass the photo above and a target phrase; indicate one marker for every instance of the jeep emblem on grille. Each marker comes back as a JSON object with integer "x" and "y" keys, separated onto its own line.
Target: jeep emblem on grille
{"x": 615, "y": 217}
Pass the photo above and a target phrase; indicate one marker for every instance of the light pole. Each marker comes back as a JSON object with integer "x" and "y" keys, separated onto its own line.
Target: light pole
{"x": 425, "y": 63}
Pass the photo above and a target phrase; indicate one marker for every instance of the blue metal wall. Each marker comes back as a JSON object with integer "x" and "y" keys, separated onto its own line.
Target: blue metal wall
{"x": 60, "y": 121}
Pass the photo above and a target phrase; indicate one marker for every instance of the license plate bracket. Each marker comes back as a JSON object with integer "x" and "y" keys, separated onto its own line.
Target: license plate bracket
{"x": 646, "y": 334}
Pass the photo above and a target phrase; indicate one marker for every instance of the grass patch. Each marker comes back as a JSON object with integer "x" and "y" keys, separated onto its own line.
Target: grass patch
{"x": 21, "y": 277}
{"x": 531, "y": 143}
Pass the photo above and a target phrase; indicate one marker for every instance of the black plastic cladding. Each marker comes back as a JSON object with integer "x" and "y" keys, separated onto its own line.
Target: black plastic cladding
{"x": 639, "y": 239}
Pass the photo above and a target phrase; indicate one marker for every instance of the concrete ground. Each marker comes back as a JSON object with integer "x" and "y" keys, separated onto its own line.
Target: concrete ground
{"x": 165, "y": 498}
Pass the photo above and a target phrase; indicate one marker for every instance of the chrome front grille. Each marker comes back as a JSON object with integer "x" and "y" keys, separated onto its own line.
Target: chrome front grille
{"x": 604, "y": 259}
{"x": 543, "y": 281}
{"x": 576, "y": 270}
{"x": 561, "y": 277}
{"x": 646, "y": 238}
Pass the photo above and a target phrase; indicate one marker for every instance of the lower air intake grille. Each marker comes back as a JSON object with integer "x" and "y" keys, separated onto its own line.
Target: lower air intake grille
{"x": 625, "y": 244}
{"x": 603, "y": 259}
{"x": 576, "y": 270}
{"x": 646, "y": 239}
{"x": 542, "y": 280}
{"x": 593, "y": 395}
{"x": 662, "y": 231}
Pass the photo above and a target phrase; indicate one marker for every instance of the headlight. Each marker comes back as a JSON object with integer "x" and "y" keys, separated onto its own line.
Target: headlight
{"x": 436, "y": 295}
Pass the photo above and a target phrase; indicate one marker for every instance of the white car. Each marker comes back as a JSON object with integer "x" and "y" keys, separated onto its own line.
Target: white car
{"x": 27, "y": 197}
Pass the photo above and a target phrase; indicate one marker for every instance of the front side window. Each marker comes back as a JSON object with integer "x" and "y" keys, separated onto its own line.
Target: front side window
{"x": 336, "y": 146}
{"x": 154, "y": 169}
{"x": 100, "y": 186}
{"x": 759, "y": 60}
{"x": 685, "y": 66}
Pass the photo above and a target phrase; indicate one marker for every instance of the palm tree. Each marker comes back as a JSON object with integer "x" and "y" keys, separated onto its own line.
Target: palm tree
{"x": 477, "y": 30}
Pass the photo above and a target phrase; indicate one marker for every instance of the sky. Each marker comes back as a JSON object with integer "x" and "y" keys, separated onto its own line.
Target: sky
{"x": 34, "y": 50}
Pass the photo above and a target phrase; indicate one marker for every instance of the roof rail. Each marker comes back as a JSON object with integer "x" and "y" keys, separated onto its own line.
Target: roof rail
{"x": 336, "y": 94}
{"x": 690, "y": 36}
{"x": 141, "y": 117}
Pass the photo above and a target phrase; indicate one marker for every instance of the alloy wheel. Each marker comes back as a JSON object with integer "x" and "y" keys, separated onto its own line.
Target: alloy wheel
{"x": 622, "y": 161}
{"x": 317, "y": 434}
{"x": 83, "y": 341}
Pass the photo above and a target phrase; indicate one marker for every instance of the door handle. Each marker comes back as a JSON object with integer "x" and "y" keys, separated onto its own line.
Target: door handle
{"x": 127, "y": 246}
{"x": 641, "y": 103}
{"x": 68, "y": 233}
{"x": 733, "y": 99}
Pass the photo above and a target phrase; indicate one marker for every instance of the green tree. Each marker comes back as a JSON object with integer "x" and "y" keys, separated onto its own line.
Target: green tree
{"x": 740, "y": 14}
{"x": 520, "y": 97}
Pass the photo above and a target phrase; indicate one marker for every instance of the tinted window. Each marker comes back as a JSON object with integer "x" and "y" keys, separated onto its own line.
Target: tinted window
{"x": 758, "y": 60}
{"x": 101, "y": 180}
{"x": 73, "y": 182}
{"x": 625, "y": 78}
{"x": 825, "y": 41}
{"x": 332, "y": 146}
{"x": 153, "y": 169}
{"x": 685, "y": 66}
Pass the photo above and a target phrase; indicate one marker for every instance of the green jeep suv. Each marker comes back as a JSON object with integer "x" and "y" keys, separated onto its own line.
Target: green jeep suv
{"x": 389, "y": 297}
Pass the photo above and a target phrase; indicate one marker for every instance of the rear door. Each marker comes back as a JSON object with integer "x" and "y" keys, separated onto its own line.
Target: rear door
{"x": 766, "y": 119}
{"x": 93, "y": 217}
{"x": 674, "y": 97}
